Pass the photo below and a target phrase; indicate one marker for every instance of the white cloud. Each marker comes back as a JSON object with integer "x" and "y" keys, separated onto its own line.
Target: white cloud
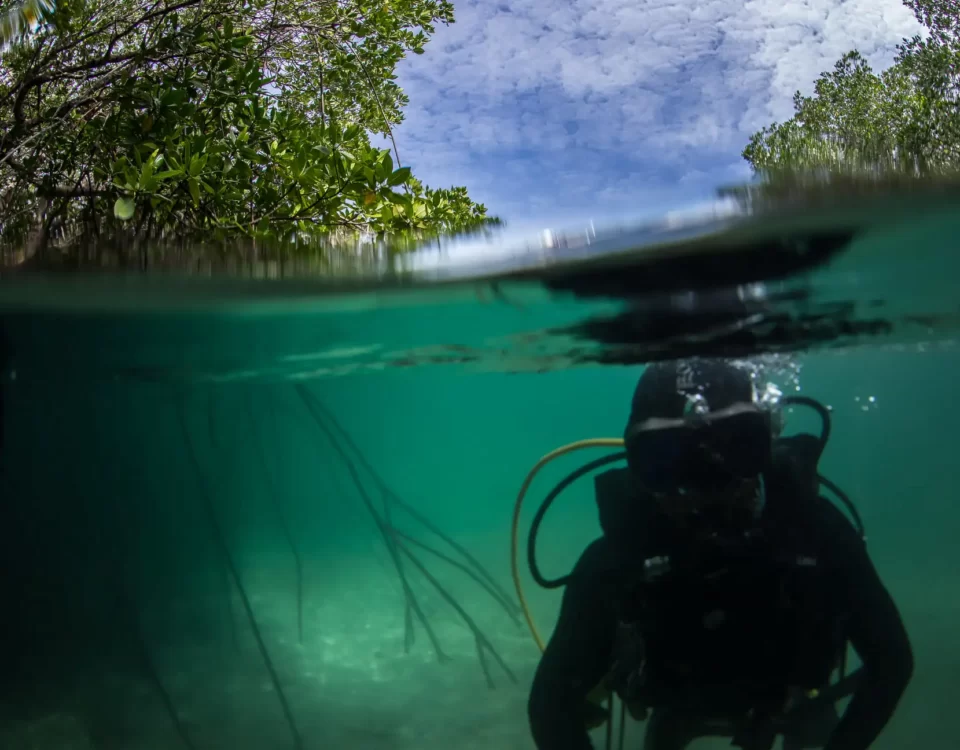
{"x": 543, "y": 107}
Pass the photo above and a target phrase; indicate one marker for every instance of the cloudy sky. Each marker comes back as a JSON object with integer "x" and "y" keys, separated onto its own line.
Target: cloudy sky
{"x": 553, "y": 112}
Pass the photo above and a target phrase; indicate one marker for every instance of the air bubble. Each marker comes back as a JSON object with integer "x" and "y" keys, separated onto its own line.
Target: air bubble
{"x": 772, "y": 376}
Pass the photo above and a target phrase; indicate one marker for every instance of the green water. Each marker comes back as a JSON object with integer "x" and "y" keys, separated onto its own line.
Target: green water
{"x": 147, "y": 451}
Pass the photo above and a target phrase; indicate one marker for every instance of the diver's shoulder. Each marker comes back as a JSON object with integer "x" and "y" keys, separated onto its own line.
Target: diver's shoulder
{"x": 596, "y": 556}
{"x": 837, "y": 534}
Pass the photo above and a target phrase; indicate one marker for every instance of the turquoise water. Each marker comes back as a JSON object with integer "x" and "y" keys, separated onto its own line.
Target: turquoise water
{"x": 168, "y": 465}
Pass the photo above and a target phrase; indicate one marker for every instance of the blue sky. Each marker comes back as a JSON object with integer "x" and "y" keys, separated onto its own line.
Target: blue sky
{"x": 555, "y": 112}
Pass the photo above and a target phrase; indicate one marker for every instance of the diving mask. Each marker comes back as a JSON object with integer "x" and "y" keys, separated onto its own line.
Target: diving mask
{"x": 704, "y": 462}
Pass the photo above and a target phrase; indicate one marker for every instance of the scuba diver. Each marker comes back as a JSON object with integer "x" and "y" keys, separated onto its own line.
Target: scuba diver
{"x": 724, "y": 590}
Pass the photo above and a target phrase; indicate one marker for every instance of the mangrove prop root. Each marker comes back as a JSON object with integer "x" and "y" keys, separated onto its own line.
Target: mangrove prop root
{"x": 395, "y": 541}
{"x": 391, "y": 497}
{"x": 483, "y": 643}
{"x": 409, "y": 633}
{"x": 117, "y": 554}
{"x": 502, "y": 596}
{"x": 385, "y": 532}
{"x": 134, "y": 625}
{"x": 150, "y": 668}
{"x": 228, "y": 595}
{"x": 460, "y": 566}
{"x": 281, "y": 516}
{"x": 221, "y": 542}
{"x": 225, "y": 577}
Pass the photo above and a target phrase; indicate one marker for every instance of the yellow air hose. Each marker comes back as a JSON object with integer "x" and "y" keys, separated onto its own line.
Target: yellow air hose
{"x": 599, "y": 692}
{"x": 515, "y": 527}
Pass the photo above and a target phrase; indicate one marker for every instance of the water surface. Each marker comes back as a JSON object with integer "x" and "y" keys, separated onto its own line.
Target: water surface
{"x": 207, "y": 475}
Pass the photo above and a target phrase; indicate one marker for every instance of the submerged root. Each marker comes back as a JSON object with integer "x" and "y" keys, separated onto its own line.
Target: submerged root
{"x": 225, "y": 577}
{"x": 399, "y": 545}
{"x": 224, "y": 549}
{"x": 281, "y": 516}
{"x": 150, "y": 669}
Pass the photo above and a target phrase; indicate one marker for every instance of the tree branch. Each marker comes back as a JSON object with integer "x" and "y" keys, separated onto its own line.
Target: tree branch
{"x": 70, "y": 192}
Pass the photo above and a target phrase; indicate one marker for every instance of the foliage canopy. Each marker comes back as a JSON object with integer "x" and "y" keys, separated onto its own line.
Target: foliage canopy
{"x": 212, "y": 119}
{"x": 903, "y": 121}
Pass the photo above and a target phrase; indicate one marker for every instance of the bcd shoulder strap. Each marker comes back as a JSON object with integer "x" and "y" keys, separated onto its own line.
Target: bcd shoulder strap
{"x": 794, "y": 475}
{"x": 622, "y": 512}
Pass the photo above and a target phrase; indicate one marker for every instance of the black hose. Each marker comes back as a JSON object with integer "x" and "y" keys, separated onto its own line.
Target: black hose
{"x": 545, "y": 506}
{"x": 847, "y": 503}
{"x": 825, "y": 430}
{"x": 842, "y": 496}
{"x": 820, "y": 409}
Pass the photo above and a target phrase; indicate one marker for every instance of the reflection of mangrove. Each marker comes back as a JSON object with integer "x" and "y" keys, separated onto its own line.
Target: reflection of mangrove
{"x": 335, "y": 253}
{"x": 866, "y": 183}
{"x": 399, "y": 544}
{"x": 860, "y": 189}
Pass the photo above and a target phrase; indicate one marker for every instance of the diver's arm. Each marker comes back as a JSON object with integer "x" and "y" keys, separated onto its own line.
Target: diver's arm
{"x": 574, "y": 660}
{"x": 877, "y": 634}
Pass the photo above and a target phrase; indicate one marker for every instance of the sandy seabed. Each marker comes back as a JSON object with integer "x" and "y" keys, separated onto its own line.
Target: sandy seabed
{"x": 350, "y": 684}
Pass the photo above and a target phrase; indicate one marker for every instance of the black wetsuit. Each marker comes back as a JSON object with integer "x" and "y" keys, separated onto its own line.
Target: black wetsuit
{"x": 846, "y": 588}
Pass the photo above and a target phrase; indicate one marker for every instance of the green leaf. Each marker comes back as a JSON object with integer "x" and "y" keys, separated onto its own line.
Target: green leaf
{"x": 197, "y": 164}
{"x": 146, "y": 174}
{"x": 386, "y": 166}
{"x": 194, "y": 190}
{"x": 399, "y": 177}
{"x": 173, "y": 97}
{"x": 172, "y": 161}
{"x": 131, "y": 177}
{"x": 123, "y": 209}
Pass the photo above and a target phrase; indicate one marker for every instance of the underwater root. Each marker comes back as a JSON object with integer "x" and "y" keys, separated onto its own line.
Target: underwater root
{"x": 399, "y": 544}
{"x": 221, "y": 543}
{"x": 281, "y": 516}
{"x": 511, "y": 607}
{"x": 228, "y": 593}
{"x": 150, "y": 669}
